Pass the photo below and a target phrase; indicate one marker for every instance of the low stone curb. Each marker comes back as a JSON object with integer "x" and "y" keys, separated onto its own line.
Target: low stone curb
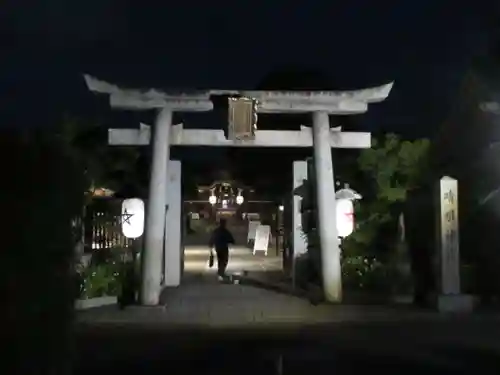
{"x": 90, "y": 303}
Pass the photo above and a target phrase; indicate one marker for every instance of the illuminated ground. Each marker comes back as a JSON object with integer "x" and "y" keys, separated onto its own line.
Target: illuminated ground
{"x": 240, "y": 259}
{"x": 201, "y": 300}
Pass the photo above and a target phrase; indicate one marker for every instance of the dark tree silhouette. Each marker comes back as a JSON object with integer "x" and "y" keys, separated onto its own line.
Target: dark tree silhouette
{"x": 471, "y": 156}
{"x": 41, "y": 194}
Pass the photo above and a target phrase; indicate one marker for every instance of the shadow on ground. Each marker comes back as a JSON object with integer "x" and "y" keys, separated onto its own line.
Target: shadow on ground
{"x": 244, "y": 329}
{"x": 447, "y": 346}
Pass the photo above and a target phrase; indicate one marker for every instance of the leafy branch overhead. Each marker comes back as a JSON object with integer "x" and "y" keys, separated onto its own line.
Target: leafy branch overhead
{"x": 107, "y": 167}
{"x": 395, "y": 166}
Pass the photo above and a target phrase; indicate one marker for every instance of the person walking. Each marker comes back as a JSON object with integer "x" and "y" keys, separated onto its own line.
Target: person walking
{"x": 220, "y": 239}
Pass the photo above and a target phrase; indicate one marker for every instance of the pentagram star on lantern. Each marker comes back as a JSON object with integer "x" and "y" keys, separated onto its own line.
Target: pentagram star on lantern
{"x": 126, "y": 217}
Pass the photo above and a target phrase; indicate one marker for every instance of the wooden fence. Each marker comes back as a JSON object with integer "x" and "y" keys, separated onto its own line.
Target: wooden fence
{"x": 102, "y": 225}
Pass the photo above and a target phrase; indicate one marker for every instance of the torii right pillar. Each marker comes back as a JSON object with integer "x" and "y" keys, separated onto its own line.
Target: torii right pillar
{"x": 326, "y": 210}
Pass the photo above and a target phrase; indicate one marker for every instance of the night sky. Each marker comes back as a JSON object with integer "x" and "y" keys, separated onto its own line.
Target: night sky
{"x": 425, "y": 46}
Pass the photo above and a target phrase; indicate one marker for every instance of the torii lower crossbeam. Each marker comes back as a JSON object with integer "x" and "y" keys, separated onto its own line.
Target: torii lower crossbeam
{"x": 215, "y": 138}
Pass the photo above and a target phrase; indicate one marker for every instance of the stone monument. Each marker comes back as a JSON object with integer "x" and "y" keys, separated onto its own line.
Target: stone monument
{"x": 449, "y": 298}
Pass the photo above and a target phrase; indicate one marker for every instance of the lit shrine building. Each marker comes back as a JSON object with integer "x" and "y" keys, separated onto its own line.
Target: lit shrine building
{"x": 228, "y": 199}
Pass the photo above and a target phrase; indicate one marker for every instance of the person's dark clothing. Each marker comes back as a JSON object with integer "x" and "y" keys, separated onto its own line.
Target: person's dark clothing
{"x": 220, "y": 239}
{"x": 222, "y": 260}
{"x": 420, "y": 234}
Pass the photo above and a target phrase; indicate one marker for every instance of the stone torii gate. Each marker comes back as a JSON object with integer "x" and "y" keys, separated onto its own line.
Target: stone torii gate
{"x": 321, "y": 138}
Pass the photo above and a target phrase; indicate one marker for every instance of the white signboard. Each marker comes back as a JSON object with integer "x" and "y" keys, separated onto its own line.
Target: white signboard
{"x": 252, "y": 229}
{"x": 195, "y": 216}
{"x": 262, "y": 238}
{"x": 449, "y": 236}
{"x": 253, "y": 216}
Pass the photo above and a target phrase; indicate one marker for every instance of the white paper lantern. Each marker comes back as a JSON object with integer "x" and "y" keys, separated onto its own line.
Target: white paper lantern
{"x": 133, "y": 218}
{"x": 345, "y": 217}
{"x": 240, "y": 199}
{"x": 212, "y": 199}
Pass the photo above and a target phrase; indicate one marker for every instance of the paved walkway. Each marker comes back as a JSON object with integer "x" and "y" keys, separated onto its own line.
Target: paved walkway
{"x": 248, "y": 328}
{"x": 203, "y": 301}
{"x": 208, "y": 313}
{"x": 251, "y": 328}
{"x": 240, "y": 259}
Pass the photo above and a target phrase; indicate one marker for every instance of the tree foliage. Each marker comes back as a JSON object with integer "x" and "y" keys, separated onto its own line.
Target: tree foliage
{"x": 48, "y": 174}
{"x": 391, "y": 168}
{"x": 42, "y": 194}
{"x": 395, "y": 166}
{"x": 104, "y": 166}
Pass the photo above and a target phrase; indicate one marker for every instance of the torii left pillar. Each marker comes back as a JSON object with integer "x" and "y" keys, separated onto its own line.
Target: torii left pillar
{"x": 326, "y": 208}
{"x": 156, "y": 210}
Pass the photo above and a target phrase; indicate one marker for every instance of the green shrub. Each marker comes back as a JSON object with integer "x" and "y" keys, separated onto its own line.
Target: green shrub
{"x": 365, "y": 273}
{"x": 101, "y": 280}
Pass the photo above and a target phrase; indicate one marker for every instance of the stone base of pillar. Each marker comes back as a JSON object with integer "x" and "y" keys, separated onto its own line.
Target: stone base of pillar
{"x": 139, "y": 308}
{"x": 455, "y": 303}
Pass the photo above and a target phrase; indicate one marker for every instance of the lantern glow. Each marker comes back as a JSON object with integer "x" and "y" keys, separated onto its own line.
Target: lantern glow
{"x": 132, "y": 217}
{"x": 240, "y": 199}
{"x": 212, "y": 199}
{"x": 345, "y": 217}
